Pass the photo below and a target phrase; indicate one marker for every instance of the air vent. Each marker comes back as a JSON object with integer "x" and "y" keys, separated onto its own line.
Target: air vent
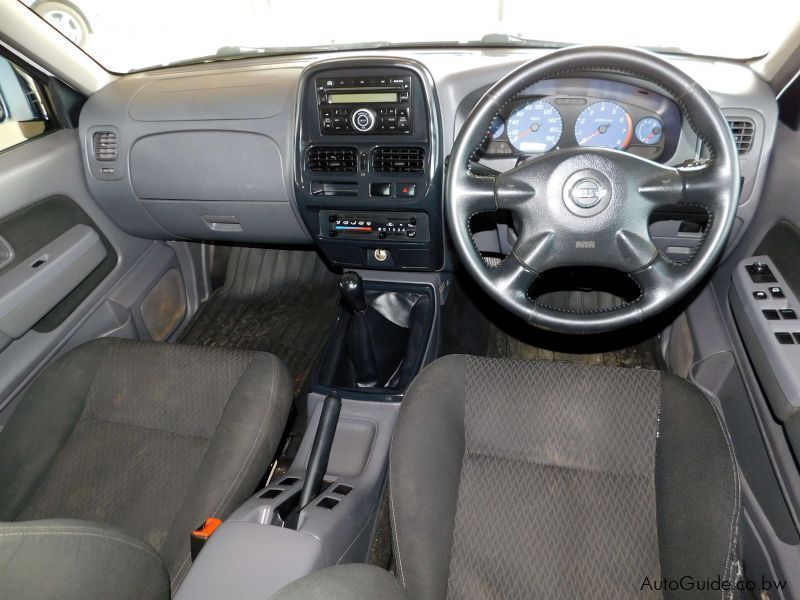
{"x": 105, "y": 145}
{"x": 330, "y": 159}
{"x": 743, "y": 132}
{"x": 398, "y": 160}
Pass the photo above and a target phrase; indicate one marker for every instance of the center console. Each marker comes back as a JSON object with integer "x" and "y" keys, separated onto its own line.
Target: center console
{"x": 368, "y": 174}
{"x": 368, "y": 186}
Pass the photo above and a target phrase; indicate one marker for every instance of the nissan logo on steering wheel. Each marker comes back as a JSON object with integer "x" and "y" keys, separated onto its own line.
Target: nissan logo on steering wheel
{"x": 587, "y": 192}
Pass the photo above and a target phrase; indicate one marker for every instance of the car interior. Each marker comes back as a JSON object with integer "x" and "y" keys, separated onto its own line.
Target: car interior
{"x": 465, "y": 314}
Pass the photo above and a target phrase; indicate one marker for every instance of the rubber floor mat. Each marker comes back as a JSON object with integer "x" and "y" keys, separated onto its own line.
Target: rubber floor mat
{"x": 274, "y": 300}
{"x": 474, "y": 324}
{"x": 644, "y": 354}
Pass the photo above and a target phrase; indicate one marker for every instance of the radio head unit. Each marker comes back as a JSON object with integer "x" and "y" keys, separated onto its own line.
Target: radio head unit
{"x": 364, "y": 105}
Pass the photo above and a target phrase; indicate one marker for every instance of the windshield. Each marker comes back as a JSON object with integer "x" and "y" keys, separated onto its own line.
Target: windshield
{"x": 125, "y": 35}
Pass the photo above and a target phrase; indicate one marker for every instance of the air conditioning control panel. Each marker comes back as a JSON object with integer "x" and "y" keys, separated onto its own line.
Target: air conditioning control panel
{"x": 371, "y": 225}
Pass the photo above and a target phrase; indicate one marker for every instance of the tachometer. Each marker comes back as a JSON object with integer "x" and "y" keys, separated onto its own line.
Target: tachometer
{"x": 534, "y": 127}
{"x": 605, "y": 125}
{"x": 649, "y": 130}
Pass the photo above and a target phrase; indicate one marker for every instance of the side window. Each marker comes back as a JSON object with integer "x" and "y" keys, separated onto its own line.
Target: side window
{"x": 23, "y": 114}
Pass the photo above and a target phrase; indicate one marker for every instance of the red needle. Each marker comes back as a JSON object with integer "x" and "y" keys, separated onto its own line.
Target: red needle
{"x": 586, "y": 139}
{"x": 523, "y": 134}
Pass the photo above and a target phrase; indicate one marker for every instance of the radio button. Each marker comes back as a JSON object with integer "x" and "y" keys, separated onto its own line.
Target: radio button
{"x": 363, "y": 119}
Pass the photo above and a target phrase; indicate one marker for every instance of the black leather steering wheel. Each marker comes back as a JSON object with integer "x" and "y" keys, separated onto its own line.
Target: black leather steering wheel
{"x": 592, "y": 206}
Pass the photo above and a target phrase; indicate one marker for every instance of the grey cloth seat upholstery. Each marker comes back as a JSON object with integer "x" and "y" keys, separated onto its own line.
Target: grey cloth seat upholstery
{"x": 519, "y": 479}
{"x": 144, "y": 439}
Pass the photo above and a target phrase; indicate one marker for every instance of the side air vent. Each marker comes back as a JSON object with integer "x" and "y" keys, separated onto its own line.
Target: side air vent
{"x": 330, "y": 159}
{"x": 104, "y": 144}
{"x": 743, "y": 132}
{"x": 387, "y": 159}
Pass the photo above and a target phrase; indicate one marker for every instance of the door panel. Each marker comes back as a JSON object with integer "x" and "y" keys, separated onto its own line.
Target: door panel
{"x": 43, "y": 196}
{"x": 771, "y": 539}
{"x": 28, "y": 233}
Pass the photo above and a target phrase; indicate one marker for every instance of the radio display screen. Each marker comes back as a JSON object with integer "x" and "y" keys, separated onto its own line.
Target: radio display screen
{"x": 363, "y": 97}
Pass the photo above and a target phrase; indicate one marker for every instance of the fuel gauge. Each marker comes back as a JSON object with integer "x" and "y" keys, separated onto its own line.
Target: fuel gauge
{"x": 649, "y": 131}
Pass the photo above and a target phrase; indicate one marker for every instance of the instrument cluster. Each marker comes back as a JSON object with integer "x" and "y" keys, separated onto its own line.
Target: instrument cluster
{"x": 584, "y": 112}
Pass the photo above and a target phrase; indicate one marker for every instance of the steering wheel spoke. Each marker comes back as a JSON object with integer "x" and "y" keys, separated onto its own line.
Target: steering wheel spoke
{"x": 511, "y": 277}
{"x": 702, "y": 186}
{"x": 478, "y": 195}
{"x": 655, "y": 279}
{"x": 695, "y": 186}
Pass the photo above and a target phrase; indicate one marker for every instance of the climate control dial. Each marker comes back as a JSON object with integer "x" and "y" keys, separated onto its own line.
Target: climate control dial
{"x": 363, "y": 119}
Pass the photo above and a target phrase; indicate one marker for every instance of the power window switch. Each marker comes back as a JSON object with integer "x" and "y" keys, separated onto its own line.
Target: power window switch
{"x": 771, "y": 314}
{"x": 776, "y": 292}
{"x": 784, "y": 337}
{"x": 760, "y": 272}
{"x": 788, "y": 313}
{"x": 760, "y": 295}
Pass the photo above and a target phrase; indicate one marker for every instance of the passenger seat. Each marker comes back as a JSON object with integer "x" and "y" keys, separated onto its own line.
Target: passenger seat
{"x": 118, "y": 450}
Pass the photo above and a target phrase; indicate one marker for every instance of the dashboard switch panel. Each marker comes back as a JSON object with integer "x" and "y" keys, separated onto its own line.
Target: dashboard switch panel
{"x": 770, "y": 330}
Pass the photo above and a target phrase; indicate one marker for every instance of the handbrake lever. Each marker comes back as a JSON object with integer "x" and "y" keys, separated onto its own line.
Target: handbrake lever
{"x": 319, "y": 456}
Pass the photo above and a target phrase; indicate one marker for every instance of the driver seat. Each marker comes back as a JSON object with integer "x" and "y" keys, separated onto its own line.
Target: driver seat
{"x": 519, "y": 479}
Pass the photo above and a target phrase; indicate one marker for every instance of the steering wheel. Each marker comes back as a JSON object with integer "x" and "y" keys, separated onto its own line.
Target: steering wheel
{"x": 591, "y": 207}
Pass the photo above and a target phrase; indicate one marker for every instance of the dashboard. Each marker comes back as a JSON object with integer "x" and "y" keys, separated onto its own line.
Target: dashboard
{"x": 348, "y": 150}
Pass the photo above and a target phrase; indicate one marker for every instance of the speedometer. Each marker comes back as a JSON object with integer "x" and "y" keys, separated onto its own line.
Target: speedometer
{"x": 534, "y": 127}
{"x": 604, "y": 125}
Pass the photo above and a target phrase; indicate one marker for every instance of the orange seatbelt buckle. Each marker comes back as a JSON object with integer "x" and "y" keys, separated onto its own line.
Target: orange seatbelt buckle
{"x": 201, "y": 534}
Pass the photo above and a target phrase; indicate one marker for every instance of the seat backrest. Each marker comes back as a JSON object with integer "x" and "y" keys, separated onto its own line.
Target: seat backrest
{"x": 514, "y": 479}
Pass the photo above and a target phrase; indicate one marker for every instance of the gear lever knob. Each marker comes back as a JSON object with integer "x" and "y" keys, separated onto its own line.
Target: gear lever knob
{"x": 351, "y": 288}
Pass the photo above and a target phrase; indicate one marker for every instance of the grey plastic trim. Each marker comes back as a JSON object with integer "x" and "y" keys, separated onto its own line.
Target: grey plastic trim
{"x": 206, "y": 166}
{"x": 30, "y": 37}
{"x": 229, "y": 95}
{"x": 242, "y": 560}
{"x": 32, "y": 288}
{"x": 226, "y": 155}
{"x": 6, "y": 252}
{"x": 252, "y": 556}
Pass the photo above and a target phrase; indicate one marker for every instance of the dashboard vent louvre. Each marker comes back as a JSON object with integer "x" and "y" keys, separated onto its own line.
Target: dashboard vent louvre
{"x": 386, "y": 159}
{"x": 332, "y": 159}
{"x": 104, "y": 144}
{"x": 743, "y": 133}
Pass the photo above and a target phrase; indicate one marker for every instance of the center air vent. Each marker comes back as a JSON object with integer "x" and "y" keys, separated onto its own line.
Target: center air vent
{"x": 331, "y": 159}
{"x": 386, "y": 159}
{"x": 743, "y": 132}
{"x": 104, "y": 145}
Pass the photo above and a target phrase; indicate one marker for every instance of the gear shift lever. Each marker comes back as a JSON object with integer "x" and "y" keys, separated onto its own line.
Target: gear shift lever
{"x": 351, "y": 288}
{"x": 359, "y": 340}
